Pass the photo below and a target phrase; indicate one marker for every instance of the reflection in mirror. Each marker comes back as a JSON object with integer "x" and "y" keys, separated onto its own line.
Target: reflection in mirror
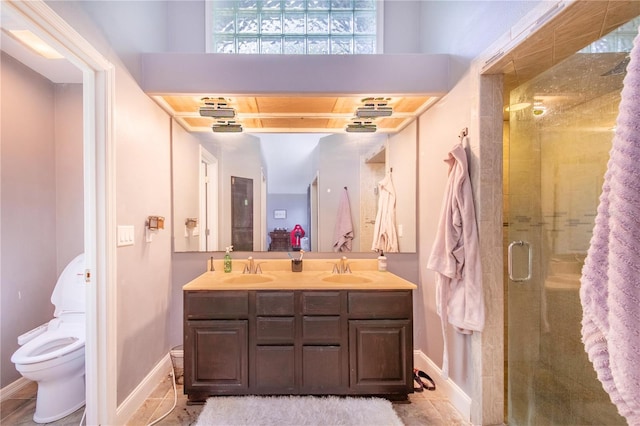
{"x": 251, "y": 190}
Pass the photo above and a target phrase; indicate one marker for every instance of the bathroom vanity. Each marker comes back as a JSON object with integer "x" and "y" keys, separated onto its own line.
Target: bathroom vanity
{"x": 298, "y": 333}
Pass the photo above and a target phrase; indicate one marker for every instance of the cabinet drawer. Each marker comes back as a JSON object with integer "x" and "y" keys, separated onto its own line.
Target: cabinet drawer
{"x": 380, "y": 304}
{"x": 216, "y": 304}
{"x": 275, "y": 303}
{"x": 321, "y": 303}
{"x": 275, "y": 330}
{"x": 321, "y": 330}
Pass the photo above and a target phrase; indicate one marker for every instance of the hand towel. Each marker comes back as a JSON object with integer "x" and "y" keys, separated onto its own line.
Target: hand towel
{"x": 610, "y": 283}
{"x": 343, "y": 231}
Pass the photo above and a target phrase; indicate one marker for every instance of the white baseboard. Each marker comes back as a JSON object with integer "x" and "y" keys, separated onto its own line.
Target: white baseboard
{"x": 13, "y": 388}
{"x": 136, "y": 398}
{"x": 458, "y": 398}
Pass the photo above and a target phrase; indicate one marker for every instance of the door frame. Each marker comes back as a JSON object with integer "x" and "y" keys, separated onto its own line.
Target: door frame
{"x": 98, "y": 79}
{"x": 209, "y": 241}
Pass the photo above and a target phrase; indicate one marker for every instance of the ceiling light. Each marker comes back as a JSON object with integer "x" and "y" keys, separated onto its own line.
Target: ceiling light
{"x": 35, "y": 43}
{"x": 227, "y": 127}
{"x": 216, "y": 108}
{"x": 538, "y": 109}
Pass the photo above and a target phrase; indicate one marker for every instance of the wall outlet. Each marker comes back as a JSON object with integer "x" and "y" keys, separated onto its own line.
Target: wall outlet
{"x": 125, "y": 235}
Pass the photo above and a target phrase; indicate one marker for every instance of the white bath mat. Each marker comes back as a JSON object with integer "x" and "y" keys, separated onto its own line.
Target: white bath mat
{"x": 298, "y": 411}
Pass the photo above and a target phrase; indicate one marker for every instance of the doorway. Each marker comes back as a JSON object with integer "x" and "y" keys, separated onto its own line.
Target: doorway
{"x": 99, "y": 207}
{"x": 208, "y": 201}
{"x": 561, "y": 126}
{"x": 242, "y": 213}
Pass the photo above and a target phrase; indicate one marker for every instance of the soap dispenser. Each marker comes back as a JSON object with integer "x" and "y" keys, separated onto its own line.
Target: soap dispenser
{"x": 227, "y": 259}
{"x": 382, "y": 262}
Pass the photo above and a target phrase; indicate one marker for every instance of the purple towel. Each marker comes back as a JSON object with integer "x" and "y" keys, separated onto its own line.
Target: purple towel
{"x": 610, "y": 291}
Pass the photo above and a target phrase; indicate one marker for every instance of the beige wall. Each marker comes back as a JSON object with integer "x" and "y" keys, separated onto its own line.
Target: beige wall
{"x": 402, "y": 148}
{"x": 143, "y": 188}
{"x": 438, "y": 133}
{"x": 186, "y": 171}
{"x": 69, "y": 173}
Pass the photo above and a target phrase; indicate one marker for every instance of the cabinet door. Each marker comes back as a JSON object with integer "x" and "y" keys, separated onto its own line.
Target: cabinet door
{"x": 379, "y": 356}
{"x": 322, "y": 369}
{"x": 216, "y": 356}
{"x": 275, "y": 369}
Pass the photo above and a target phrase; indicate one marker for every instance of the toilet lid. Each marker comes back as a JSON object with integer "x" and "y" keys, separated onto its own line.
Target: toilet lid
{"x": 69, "y": 294}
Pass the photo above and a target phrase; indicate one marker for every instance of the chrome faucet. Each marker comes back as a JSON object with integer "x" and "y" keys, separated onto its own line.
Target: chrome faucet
{"x": 342, "y": 267}
{"x": 251, "y": 267}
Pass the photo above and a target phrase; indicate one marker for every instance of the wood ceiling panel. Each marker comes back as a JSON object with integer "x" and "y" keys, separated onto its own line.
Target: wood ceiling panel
{"x": 347, "y": 104}
{"x": 245, "y": 104}
{"x": 251, "y": 123}
{"x": 338, "y": 123}
{"x": 295, "y": 123}
{"x": 389, "y": 122}
{"x": 198, "y": 121}
{"x": 289, "y": 112}
{"x": 182, "y": 104}
{"x": 299, "y": 104}
{"x": 409, "y": 104}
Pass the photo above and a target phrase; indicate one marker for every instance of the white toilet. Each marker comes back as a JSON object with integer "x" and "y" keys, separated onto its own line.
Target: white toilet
{"x": 53, "y": 354}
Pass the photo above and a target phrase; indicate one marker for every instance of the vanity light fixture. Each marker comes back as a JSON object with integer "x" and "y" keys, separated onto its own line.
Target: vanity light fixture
{"x": 361, "y": 127}
{"x": 228, "y": 126}
{"x": 216, "y": 108}
{"x": 374, "y": 107}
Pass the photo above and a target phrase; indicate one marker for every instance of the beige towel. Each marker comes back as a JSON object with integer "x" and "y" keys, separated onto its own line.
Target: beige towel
{"x": 385, "y": 238}
{"x": 343, "y": 232}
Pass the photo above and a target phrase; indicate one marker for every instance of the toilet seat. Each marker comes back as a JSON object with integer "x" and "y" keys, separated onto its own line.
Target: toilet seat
{"x": 51, "y": 344}
{"x": 53, "y": 354}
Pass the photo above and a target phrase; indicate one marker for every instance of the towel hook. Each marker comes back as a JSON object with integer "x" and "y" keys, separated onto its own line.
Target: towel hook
{"x": 464, "y": 133}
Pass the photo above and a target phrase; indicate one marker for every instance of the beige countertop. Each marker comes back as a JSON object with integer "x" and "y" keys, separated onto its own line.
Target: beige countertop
{"x": 316, "y": 275}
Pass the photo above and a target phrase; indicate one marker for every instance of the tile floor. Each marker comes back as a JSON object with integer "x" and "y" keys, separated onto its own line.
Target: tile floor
{"x": 425, "y": 408}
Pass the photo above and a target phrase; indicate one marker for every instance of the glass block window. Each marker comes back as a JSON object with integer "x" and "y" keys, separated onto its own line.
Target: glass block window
{"x": 325, "y": 27}
{"x": 619, "y": 40}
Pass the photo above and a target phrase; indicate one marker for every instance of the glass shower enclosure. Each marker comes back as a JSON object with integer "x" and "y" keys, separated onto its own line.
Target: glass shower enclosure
{"x": 561, "y": 125}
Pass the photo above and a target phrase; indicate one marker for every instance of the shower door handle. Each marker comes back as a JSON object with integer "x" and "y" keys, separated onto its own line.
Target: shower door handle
{"x": 529, "y": 263}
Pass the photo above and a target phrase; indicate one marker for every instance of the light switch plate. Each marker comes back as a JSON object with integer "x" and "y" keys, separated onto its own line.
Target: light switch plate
{"x": 125, "y": 235}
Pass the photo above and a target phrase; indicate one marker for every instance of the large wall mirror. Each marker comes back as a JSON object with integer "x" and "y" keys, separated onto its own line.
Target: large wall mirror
{"x": 252, "y": 190}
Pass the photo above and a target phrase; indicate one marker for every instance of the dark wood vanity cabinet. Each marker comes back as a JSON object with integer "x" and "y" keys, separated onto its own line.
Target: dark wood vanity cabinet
{"x": 261, "y": 342}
